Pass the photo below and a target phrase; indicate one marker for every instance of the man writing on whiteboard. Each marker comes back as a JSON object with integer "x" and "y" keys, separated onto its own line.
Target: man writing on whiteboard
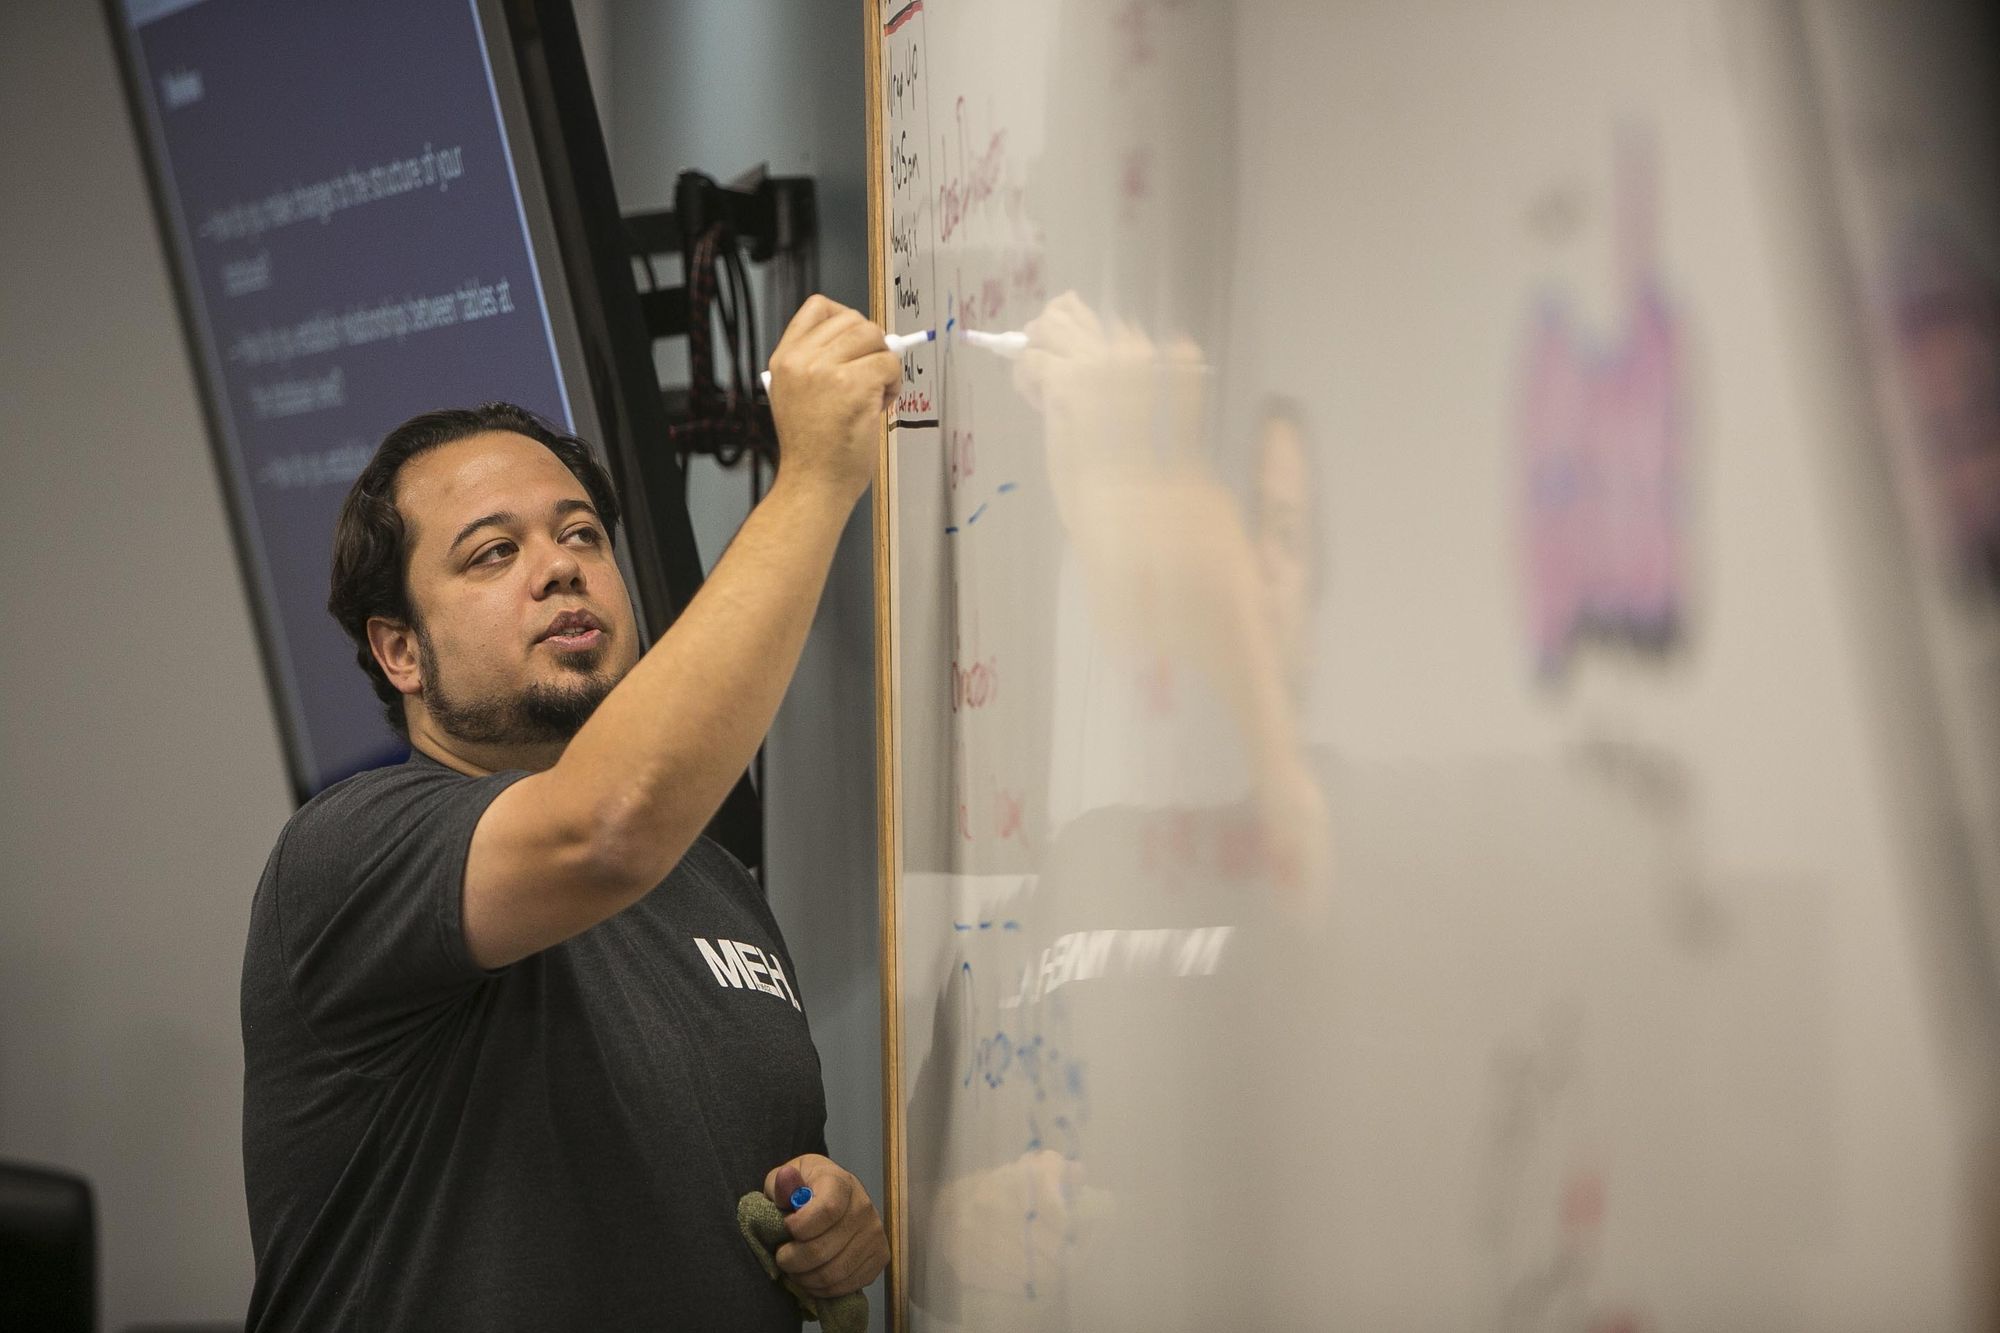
{"x": 516, "y": 1036}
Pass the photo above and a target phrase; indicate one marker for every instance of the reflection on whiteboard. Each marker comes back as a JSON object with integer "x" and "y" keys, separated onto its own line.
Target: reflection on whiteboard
{"x": 1392, "y": 832}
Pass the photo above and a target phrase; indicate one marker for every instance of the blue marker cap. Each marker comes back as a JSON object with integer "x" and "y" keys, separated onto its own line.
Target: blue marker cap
{"x": 801, "y": 1196}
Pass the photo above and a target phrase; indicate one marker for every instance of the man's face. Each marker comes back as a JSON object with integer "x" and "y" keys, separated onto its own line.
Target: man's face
{"x": 522, "y": 619}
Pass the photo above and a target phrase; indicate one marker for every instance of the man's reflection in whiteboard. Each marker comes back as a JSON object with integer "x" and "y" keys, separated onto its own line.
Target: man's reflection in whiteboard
{"x": 1183, "y": 630}
{"x": 1188, "y": 831}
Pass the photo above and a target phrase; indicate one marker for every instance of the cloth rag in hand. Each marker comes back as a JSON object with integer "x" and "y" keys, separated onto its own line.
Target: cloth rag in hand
{"x": 763, "y": 1226}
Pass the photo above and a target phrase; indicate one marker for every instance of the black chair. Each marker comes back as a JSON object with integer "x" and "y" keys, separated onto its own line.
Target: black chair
{"x": 48, "y": 1250}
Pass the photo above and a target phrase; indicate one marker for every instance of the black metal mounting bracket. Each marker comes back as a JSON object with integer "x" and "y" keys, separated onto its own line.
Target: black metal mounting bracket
{"x": 767, "y": 215}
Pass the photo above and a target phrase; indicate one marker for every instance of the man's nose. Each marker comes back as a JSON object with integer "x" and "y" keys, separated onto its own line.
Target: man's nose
{"x": 561, "y": 572}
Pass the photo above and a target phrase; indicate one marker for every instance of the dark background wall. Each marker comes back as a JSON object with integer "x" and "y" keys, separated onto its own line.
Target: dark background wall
{"x": 141, "y": 782}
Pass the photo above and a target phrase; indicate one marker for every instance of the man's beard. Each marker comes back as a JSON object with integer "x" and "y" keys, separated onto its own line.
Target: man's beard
{"x": 539, "y": 714}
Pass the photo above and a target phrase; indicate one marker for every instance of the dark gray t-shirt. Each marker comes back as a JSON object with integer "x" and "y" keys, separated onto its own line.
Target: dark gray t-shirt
{"x": 559, "y": 1144}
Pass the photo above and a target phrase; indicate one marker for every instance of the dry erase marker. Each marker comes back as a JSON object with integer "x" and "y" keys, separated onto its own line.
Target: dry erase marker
{"x": 801, "y": 1196}
{"x": 899, "y": 343}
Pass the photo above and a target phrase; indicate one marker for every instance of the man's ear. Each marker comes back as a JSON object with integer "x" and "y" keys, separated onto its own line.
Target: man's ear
{"x": 395, "y": 647}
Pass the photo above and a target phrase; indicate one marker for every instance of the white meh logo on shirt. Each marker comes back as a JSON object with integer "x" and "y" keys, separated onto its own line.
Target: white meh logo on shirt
{"x": 737, "y": 964}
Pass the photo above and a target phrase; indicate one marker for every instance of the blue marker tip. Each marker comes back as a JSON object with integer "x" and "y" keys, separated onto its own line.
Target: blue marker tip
{"x": 801, "y": 1196}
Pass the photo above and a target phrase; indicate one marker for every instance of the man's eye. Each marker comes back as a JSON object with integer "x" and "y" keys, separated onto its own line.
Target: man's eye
{"x": 496, "y": 551}
{"x": 588, "y": 535}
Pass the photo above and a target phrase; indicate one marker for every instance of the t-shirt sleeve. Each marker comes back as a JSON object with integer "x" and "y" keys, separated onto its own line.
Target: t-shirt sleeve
{"x": 367, "y": 885}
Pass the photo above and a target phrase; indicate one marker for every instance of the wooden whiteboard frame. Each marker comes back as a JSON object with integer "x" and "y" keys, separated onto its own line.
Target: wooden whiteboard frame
{"x": 888, "y": 786}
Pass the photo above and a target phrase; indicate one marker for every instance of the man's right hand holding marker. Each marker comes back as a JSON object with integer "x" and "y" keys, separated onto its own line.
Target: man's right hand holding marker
{"x": 832, "y": 377}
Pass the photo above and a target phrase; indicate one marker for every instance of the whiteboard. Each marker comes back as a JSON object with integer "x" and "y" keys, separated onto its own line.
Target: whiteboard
{"x": 1387, "y": 815}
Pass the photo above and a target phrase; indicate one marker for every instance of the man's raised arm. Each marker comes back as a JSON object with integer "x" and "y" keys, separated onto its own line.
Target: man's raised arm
{"x": 563, "y": 849}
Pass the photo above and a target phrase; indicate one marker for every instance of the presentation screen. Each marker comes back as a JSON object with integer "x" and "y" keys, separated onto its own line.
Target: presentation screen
{"x": 357, "y": 225}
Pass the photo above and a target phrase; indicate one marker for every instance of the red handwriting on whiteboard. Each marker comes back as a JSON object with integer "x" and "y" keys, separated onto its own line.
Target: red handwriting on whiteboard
{"x": 1190, "y": 846}
{"x": 974, "y": 686}
{"x": 1026, "y": 277}
{"x": 914, "y": 403}
{"x": 963, "y": 461}
{"x": 1009, "y": 819}
{"x": 1007, "y": 815}
{"x": 967, "y": 191}
{"x": 986, "y": 305}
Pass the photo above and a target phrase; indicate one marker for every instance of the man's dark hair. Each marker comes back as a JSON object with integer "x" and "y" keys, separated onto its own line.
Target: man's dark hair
{"x": 370, "y": 559}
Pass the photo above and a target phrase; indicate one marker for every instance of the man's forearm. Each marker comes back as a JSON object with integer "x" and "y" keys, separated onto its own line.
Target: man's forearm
{"x": 655, "y": 760}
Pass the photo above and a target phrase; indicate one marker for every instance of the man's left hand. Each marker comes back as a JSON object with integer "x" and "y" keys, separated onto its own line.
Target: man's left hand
{"x": 837, "y": 1243}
